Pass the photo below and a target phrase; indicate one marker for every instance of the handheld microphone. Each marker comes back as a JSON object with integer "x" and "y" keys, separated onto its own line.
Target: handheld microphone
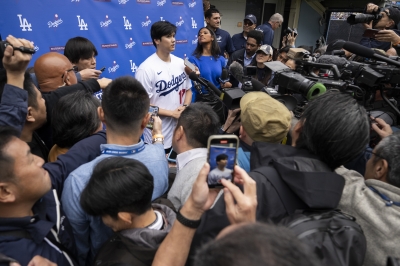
{"x": 236, "y": 69}
{"x": 367, "y": 52}
{"x": 193, "y": 76}
{"x": 224, "y": 76}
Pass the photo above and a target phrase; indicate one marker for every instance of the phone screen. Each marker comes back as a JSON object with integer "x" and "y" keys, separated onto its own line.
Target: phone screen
{"x": 222, "y": 160}
{"x": 153, "y": 111}
{"x": 172, "y": 156}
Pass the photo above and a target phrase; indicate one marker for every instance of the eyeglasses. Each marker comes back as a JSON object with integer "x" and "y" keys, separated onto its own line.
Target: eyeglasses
{"x": 74, "y": 68}
{"x": 248, "y": 23}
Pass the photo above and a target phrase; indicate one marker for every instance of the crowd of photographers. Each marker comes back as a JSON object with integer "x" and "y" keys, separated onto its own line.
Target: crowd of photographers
{"x": 85, "y": 178}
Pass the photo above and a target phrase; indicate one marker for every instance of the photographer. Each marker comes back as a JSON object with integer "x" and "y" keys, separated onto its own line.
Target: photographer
{"x": 389, "y": 19}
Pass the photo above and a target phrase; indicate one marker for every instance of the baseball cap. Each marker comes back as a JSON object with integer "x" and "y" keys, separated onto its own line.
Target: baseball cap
{"x": 252, "y": 18}
{"x": 394, "y": 13}
{"x": 266, "y": 49}
{"x": 264, "y": 118}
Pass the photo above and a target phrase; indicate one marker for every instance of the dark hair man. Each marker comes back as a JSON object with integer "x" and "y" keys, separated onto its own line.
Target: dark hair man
{"x": 283, "y": 55}
{"x": 213, "y": 20}
{"x": 195, "y": 125}
{"x": 269, "y": 27}
{"x": 82, "y": 53}
{"x": 75, "y": 117}
{"x": 32, "y": 219}
{"x": 249, "y": 24}
{"x": 256, "y": 244}
{"x": 375, "y": 198}
{"x": 35, "y": 118}
{"x": 120, "y": 191}
{"x": 124, "y": 110}
{"x": 246, "y": 56}
{"x": 220, "y": 171}
{"x": 390, "y": 19}
{"x": 164, "y": 78}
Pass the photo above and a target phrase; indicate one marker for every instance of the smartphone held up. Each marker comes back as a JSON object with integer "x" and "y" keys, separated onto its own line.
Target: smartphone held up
{"x": 222, "y": 153}
{"x": 153, "y": 111}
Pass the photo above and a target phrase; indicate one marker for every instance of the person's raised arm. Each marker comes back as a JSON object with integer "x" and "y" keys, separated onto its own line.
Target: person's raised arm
{"x": 174, "y": 250}
{"x": 14, "y": 105}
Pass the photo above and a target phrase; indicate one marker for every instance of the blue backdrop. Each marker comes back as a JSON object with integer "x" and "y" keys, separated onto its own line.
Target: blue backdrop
{"x": 120, "y": 29}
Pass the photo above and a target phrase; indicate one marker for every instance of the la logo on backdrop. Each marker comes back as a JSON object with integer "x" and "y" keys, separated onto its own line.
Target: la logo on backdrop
{"x": 133, "y": 66}
{"x": 81, "y": 23}
{"x": 194, "y": 24}
{"x": 24, "y": 24}
{"x": 127, "y": 24}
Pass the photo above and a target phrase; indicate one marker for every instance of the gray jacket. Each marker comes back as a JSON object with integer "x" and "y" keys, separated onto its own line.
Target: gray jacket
{"x": 379, "y": 222}
{"x": 151, "y": 238}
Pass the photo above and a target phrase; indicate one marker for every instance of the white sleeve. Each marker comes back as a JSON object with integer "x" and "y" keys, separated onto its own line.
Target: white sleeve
{"x": 145, "y": 78}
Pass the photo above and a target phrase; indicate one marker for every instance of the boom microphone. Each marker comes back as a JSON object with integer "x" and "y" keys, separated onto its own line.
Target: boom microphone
{"x": 367, "y": 52}
{"x": 332, "y": 60}
{"x": 236, "y": 69}
{"x": 193, "y": 76}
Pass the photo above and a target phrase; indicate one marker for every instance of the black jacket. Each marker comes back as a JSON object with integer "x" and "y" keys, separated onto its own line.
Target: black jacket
{"x": 313, "y": 184}
{"x": 238, "y": 56}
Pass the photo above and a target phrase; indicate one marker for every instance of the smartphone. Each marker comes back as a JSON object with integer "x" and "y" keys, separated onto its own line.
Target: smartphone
{"x": 222, "y": 154}
{"x": 172, "y": 156}
{"x": 190, "y": 65}
{"x": 153, "y": 111}
{"x": 102, "y": 69}
{"x": 370, "y": 33}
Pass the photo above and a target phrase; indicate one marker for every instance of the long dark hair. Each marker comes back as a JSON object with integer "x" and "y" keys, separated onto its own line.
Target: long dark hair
{"x": 198, "y": 52}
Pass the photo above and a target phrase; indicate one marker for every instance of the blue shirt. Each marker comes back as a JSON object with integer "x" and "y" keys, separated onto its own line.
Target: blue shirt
{"x": 90, "y": 232}
{"x": 210, "y": 69}
{"x": 224, "y": 41}
{"x": 247, "y": 61}
{"x": 239, "y": 41}
{"x": 268, "y": 33}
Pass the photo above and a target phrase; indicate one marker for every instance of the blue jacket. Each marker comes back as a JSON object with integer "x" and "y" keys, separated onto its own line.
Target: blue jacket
{"x": 239, "y": 41}
{"x": 48, "y": 226}
{"x": 268, "y": 32}
{"x": 224, "y": 41}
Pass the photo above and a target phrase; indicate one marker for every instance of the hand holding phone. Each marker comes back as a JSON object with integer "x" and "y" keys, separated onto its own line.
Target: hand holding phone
{"x": 370, "y": 33}
{"x": 222, "y": 154}
{"x": 153, "y": 111}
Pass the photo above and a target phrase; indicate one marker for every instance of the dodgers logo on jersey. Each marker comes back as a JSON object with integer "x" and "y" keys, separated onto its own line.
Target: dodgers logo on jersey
{"x": 54, "y": 24}
{"x": 122, "y": 2}
{"x": 180, "y": 22}
{"x": 194, "y": 24}
{"x": 192, "y": 4}
{"x": 130, "y": 44}
{"x": 147, "y": 22}
{"x": 195, "y": 41}
{"x": 164, "y": 88}
{"x": 161, "y": 2}
{"x": 24, "y": 24}
{"x": 133, "y": 66}
{"x": 81, "y": 23}
{"x": 127, "y": 24}
{"x": 106, "y": 22}
{"x": 114, "y": 68}
{"x": 219, "y": 38}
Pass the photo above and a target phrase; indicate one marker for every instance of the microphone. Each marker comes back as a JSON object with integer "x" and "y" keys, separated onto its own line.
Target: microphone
{"x": 236, "y": 69}
{"x": 198, "y": 87}
{"x": 333, "y": 60}
{"x": 367, "y": 52}
{"x": 193, "y": 76}
{"x": 224, "y": 76}
{"x": 338, "y": 52}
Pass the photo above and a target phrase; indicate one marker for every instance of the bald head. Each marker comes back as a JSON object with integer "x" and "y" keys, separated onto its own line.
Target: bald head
{"x": 49, "y": 70}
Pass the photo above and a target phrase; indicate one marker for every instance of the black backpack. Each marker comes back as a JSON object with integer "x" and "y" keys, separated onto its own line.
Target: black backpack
{"x": 335, "y": 237}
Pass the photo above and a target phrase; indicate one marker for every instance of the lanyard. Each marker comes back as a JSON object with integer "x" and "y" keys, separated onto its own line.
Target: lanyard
{"x": 385, "y": 198}
{"x": 123, "y": 152}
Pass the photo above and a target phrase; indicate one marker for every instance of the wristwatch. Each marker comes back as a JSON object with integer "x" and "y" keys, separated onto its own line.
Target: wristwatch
{"x": 158, "y": 138}
{"x": 186, "y": 222}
